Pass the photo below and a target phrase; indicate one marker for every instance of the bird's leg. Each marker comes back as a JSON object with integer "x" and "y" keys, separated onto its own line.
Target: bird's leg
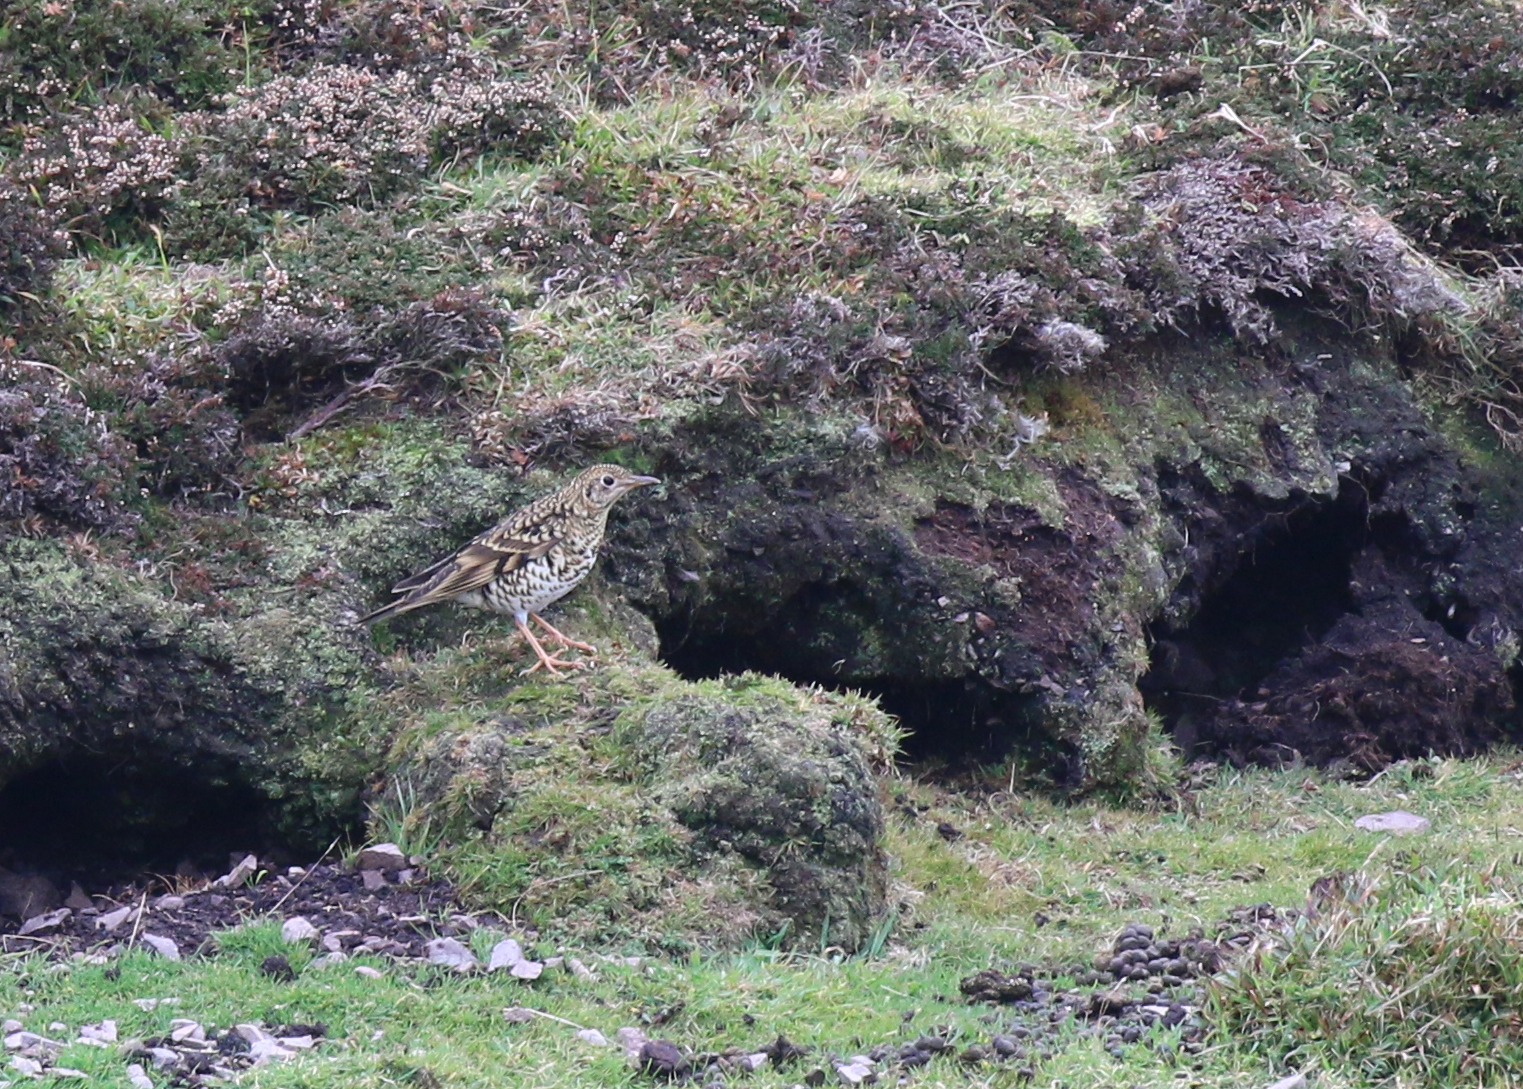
{"x": 544, "y": 659}
{"x": 559, "y": 637}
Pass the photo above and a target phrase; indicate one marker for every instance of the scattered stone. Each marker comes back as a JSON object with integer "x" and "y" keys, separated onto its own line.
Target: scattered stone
{"x": 592, "y": 1036}
{"x": 450, "y": 953}
{"x": 22, "y": 1065}
{"x": 327, "y": 960}
{"x": 115, "y": 918}
{"x": 11, "y": 1025}
{"x": 182, "y": 1029}
{"x": 78, "y": 899}
{"x": 1294, "y": 1081}
{"x": 164, "y": 947}
{"x": 580, "y": 970}
{"x": 373, "y": 880}
{"x": 148, "y": 1005}
{"x": 526, "y": 970}
{"x": 18, "y": 1041}
{"x": 752, "y": 1063}
{"x": 101, "y": 1035}
{"x": 297, "y": 929}
{"x": 1398, "y": 822}
{"x": 505, "y": 954}
{"x": 39, "y": 924}
{"x": 384, "y": 857}
{"x": 169, "y": 903}
{"x": 856, "y": 1073}
{"x": 632, "y": 1040}
{"x": 368, "y": 972}
{"x": 278, "y": 968}
{"x": 240, "y": 873}
{"x": 139, "y": 1077}
{"x": 663, "y": 1059}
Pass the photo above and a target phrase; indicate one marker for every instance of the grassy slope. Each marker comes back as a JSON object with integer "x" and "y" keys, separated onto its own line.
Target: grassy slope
{"x": 1251, "y": 837}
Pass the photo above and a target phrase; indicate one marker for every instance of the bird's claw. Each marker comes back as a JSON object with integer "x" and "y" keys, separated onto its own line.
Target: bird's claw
{"x": 549, "y": 662}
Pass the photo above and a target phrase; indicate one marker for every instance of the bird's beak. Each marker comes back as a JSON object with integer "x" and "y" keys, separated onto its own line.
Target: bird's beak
{"x": 641, "y": 481}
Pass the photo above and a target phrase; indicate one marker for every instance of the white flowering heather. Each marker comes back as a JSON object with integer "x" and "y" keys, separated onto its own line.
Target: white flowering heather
{"x": 98, "y": 165}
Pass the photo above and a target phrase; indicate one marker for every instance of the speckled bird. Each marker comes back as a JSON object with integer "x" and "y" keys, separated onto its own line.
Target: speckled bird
{"x": 528, "y": 561}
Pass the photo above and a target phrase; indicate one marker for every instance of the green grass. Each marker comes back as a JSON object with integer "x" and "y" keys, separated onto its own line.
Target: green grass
{"x": 1443, "y": 921}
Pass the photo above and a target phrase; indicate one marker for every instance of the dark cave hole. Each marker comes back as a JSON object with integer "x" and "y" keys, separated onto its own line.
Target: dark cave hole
{"x": 955, "y": 723}
{"x": 1289, "y": 586}
{"x": 103, "y": 820}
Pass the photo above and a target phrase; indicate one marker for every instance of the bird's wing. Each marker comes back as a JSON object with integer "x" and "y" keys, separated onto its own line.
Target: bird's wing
{"x": 473, "y": 566}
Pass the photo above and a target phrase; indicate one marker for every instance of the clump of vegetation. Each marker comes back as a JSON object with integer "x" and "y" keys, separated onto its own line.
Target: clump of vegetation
{"x": 59, "y": 460}
{"x": 184, "y": 51}
{"x": 1416, "y": 976}
{"x": 29, "y": 250}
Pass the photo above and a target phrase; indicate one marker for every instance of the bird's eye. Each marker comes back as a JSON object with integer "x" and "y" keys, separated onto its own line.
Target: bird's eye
{"x": 608, "y": 482}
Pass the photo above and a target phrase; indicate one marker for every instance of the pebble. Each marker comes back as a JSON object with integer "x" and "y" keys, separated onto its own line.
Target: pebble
{"x": 169, "y": 903}
{"x": 505, "y": 954}
{"x": 164, "y": 947}
{"x": 450, "y": 953}
{"x": 22, "y": 1065}
{"x": 113, "y": 919}
{"x": 39, "y": 924}
{"x": 373, "y": 880}
{"x": 663, "y": 1059}
{"x": 1294, "y": 1081}
{"x": 855, "y": 1073}
{"x": 592, "y": 1036}
{"x": 1398, "y": 822}
{"x": 385, "y": 857}
{"x": 631, "y": 1040}
{"x": 368, "y": 972}
{"x": 139, "y": 1077}
{"x": 297, "y": 929}
{"x": 246, "y": 868}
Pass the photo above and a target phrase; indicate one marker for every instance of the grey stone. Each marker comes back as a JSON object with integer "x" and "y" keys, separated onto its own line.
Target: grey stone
{"x": 1294, "y": 1081}
{"x": 450, "y": 953}
{"x": 631, "y": 1040}
{"x": 297, "y": 929}
{"x": 592, "y": 1036}
{"x": 505, "y": 954}
{"x": 385, "y": 857}
{"x": 1398, "y": 822}
{"x": 138, "y": 1076}
{"x": 115, "y": 918}
{"x": 373, "y": 880}
{"x": 367, "y": 971}
{"x": 169, "y": 903}
{"x": 39, "y": 924}
{"x": 240, "y": 873}
{"x": 164, "y": 947}
{"x": 526, "y": 970}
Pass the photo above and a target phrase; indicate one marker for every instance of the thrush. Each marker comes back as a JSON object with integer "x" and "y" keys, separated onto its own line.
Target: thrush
{"x": 530, "y": 559}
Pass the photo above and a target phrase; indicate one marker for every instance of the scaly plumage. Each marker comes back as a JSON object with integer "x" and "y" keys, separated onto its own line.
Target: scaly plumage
{"x": 523, "y": 564}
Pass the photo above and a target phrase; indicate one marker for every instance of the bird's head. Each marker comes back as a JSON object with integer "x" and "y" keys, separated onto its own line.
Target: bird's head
{"x": 600, "y": 486}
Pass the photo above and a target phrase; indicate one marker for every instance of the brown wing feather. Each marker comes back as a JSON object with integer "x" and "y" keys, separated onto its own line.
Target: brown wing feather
{"x": 470, "y": 568}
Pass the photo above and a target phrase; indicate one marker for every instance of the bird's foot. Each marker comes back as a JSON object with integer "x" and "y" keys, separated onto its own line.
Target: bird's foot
{"x": 561, "y": 637}
{"x": 548, "y": 662}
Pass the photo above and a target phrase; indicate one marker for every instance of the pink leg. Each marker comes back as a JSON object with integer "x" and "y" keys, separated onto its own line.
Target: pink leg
{"x": 559, "y": 637}
{"x": 544, "y": 659}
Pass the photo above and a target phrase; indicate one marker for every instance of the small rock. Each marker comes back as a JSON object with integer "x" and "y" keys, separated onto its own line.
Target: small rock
{"x": 22, "y": 1065}
{"x": 182, "y": 1029}
{"x": 384, "y": 857}
{"x": 164, "y": 947}
{"x": 11, "y": 1025}
{"x": 505, "y": 954}
{"x": 66, "y": 1072}
{"x": 855, "y": 1074}
{"x": 78, "y": 899}
{"x": 632, "y": 1040}
{"x": 17, "y": 1041}
{"x": 139, "y": 1077}
{"x": 102, "y": 1035}
{"x": 663, "y": 1059}
{"x": 1294, "y": 1081}
{"x": 527, "y": 970}
{"x": 327, "y": 960}
{"x": 297, "y": 929}
{"x": 246, "y": 868}
{"x": 368, "y": 972}
{"x": 581, "y": 971}
{"x": 405, "y": 877}
{"x": 169, "y": 903}
{"x": 164, "y": 1058}
{"x": 1398, "y": 822}
{"x": 754, "y": 1062}
{"x": 38, "y": 924}
{"x": 592, "y": 1036}
{"x": 278, "y": 968}
{"x": 373, "y": 880}
{"x": 297, "y": 1043}
{"x": 115, "y": 918}
{"x": 450, "y": 953}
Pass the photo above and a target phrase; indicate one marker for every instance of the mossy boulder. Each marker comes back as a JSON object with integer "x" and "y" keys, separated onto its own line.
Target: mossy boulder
{"x": 629, "y": 803}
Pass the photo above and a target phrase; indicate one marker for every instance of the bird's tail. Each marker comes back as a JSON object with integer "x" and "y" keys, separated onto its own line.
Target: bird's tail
{"x": 400, "y": 605}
